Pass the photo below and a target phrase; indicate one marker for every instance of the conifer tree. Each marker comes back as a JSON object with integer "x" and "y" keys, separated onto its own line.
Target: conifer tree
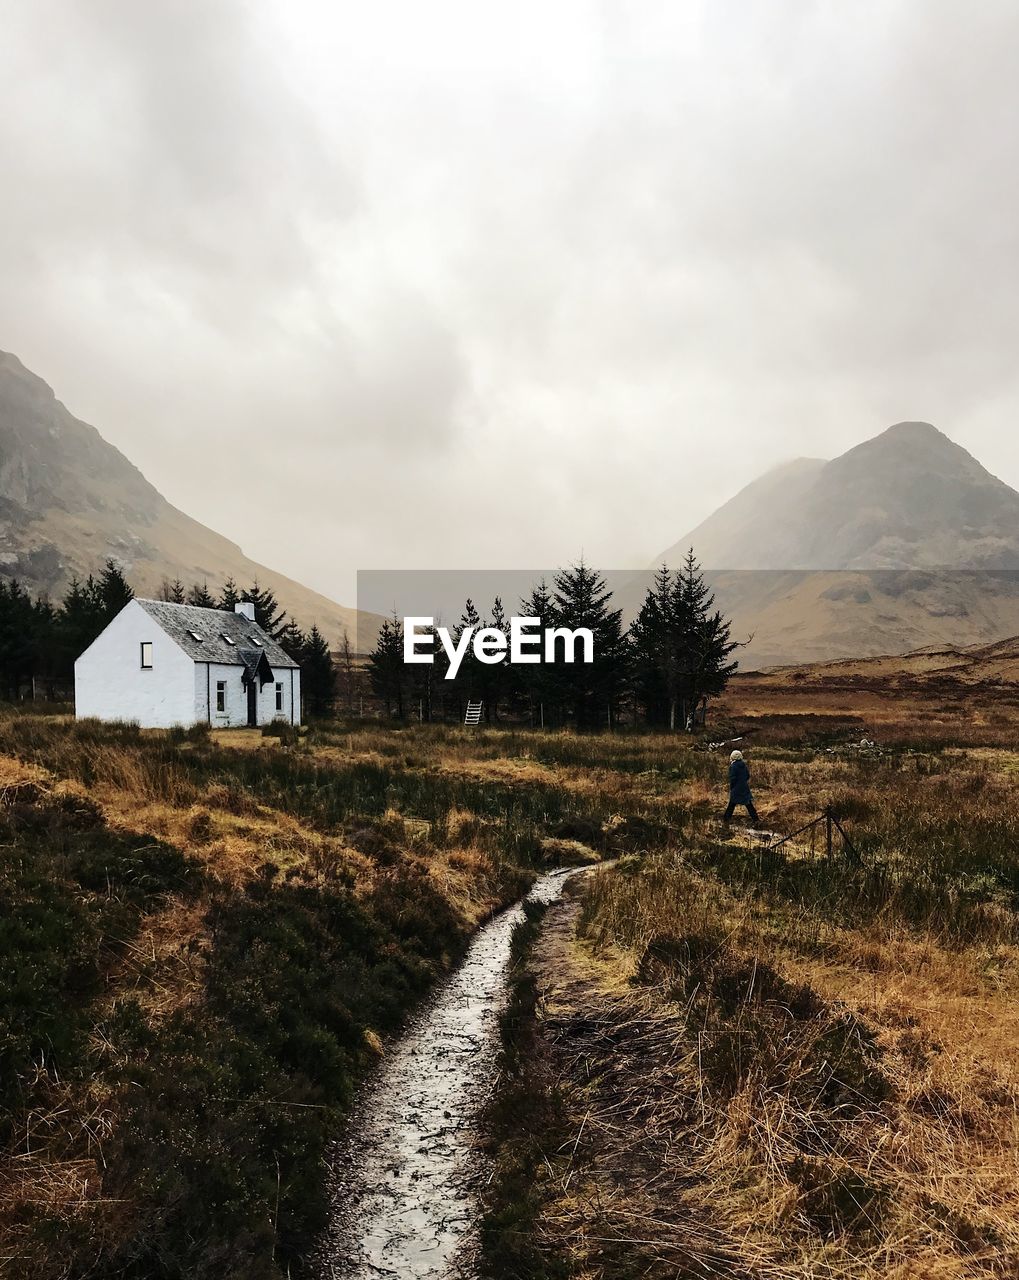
{"x": 229, "y": 597}
{"x": 36, "y": 652}
{"x": 318, "y": 678}
{"x": 78, "y": 623}
{"x": 706, "y": 668}
{"x": 17, "y": 639}
{"x": 268, "y": 614}
{"x": 46, "y": 660}
{"x": 386, "y": 668}
{"x": 533, "y": 682}
{"x": 590, "y": 691}
{"x": 493, "y": 679}
{"x": 680, "y": 646}
{"x": 172, "y": 592}
{"x": 426, "y": 684}
{"x": 467, "y": 685}
{"x": 293, "y": 640}
{"x": 112, "y": 592}
{"x": 651, "y": 640}
{"x": 200, "y": 596}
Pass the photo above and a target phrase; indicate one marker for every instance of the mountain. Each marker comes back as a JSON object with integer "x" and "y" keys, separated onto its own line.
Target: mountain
{"x": 906, "y": 540}
{"x": 69, "y": 500}
{"x": 908, "y": 499}
{"x": 765, "y": 509}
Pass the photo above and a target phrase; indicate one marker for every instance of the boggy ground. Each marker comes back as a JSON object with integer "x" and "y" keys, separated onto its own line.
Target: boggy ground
{"x": 725, "y": 1062}
{"x": 208, "y": 940}
{"x": 718, "y": 1113}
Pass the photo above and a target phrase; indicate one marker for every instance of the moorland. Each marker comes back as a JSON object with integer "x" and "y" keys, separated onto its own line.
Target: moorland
{"x": 719, "y": 1060}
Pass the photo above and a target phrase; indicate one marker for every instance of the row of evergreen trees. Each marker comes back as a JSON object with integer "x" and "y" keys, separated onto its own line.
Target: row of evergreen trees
{"x": 39, "y": 641}
{"x": 674, "y": 656}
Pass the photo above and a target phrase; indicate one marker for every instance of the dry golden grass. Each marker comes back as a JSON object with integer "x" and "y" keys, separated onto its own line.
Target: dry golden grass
{"x": 879, "y": 703}
{"x": 52, "y": 1164}
{"x": 925, "y": 958}
{"x": 674, "y": 1170}
{"x": 672, "y": 1167}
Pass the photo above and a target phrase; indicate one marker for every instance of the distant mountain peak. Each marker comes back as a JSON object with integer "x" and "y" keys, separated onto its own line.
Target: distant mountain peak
{"x": 909, "y": 498}
{"x": 923, "y": 436}
{"x": 920, "y": 430}
{"x": 895, "y": 461}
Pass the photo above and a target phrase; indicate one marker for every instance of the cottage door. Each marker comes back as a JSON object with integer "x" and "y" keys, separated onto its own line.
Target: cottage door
{"x": 252, "y": 703}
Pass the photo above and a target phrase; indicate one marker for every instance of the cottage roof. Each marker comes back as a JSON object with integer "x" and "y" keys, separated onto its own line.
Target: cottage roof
{"x": 213, "y": 635}
{"x": 256, "y": 667}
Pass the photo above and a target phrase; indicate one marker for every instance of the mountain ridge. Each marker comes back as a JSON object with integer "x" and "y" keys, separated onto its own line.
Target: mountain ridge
{"x": 903, "y": 540}
{"x": 70, "y": 500}
{"x": 908, "y": 498}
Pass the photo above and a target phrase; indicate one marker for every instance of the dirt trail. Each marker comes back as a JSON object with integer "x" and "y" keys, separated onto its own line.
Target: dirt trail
{"x": 403, "y": 1180}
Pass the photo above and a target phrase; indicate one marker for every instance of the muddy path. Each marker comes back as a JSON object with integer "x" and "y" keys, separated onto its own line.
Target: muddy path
{"x": 404, "y": 1178}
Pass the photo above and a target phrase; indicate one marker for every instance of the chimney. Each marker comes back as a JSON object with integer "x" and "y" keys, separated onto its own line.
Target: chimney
{"x": 246, "y": 608}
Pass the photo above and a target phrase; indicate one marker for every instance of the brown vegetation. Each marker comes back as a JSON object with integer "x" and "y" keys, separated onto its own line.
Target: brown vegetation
{"x": 776, "y": 1064}
{"x": 205, "y": 944}
{"x": 747, "y": 1063}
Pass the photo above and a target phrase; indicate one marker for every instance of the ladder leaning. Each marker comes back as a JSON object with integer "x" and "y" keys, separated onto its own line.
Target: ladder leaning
{"x": 473, "y": 715}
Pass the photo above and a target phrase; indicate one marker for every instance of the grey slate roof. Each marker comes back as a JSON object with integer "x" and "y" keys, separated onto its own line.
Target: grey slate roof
{"x": 180, "y": 620}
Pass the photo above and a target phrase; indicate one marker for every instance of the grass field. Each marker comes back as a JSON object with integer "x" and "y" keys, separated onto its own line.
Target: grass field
{"x": 779, "y": 1065}
{"x": 207, "y": 939}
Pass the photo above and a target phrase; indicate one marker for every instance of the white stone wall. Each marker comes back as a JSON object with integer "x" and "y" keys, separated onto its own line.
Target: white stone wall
{"x": 236, "y": 701}
{"x": 284, "y": 676}
{"x": 236, "y": 712}
{"x": 110, "y": 684}
{"x": 267, "y": 703}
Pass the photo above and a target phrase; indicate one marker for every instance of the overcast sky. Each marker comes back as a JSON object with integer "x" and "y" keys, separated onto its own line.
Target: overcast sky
{"x": 458, "y": 284}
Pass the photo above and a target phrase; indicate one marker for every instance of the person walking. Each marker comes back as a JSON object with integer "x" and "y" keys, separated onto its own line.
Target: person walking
{"x": 739, "y": 787}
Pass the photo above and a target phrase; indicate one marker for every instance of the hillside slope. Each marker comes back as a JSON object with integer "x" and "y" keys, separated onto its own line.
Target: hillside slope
{"x": 756, "y": 529}
{"x": 802, "y": 616}
{"x": 903, "y": 541}
{"x": 934, "y": 666}
{"x": 908, "y": 499}
{"x": 69, "y": 500}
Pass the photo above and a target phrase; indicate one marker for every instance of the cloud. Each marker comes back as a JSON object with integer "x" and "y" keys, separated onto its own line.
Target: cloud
{"x": 452, "y": 284}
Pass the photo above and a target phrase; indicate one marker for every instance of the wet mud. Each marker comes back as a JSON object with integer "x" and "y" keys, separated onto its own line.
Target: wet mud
{"x": 404, "y": 1179}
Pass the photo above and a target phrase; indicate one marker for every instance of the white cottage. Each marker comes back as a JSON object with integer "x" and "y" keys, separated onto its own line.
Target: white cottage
{"x": 162, "y": 664}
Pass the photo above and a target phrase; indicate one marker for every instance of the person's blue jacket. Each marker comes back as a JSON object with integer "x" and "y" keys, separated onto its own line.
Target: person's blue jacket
{"x": 739, "y": 782}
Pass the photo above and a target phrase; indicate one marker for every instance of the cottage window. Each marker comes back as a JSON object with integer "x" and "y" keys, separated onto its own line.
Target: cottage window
{"x": 220, "y": 695}
{"x": 195, "y": 636}
{"x": 146, "y": 655}
{"x": 225, "y": 638}
{"x": 279, "y": 697}
{"x": 255, "y": 640}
